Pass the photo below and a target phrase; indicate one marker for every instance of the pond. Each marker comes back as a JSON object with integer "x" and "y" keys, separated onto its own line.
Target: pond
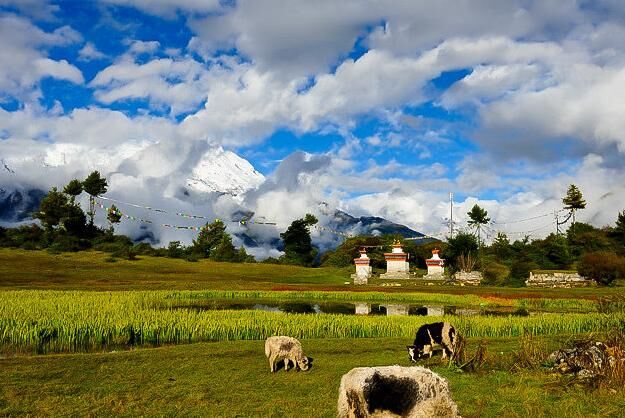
{"x": 346, "y": 308}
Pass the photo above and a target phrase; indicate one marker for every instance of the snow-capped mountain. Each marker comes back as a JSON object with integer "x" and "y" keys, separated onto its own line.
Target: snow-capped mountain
{"x": 224, "y": 171}
{"x": 198, "y": 179}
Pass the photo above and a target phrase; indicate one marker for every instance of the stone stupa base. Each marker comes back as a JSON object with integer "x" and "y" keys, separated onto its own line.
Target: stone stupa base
{"x": 396, "y": 275}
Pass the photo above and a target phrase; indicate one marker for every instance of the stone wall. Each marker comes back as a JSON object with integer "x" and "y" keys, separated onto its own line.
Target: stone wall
{"x": 464, "y": 278}
{"x": 558, "y": 279}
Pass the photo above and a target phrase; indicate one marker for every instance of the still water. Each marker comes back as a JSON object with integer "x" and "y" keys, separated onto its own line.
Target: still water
{"x": 346, "y": 308}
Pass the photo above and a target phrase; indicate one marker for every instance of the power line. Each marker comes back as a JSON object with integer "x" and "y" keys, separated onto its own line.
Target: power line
{"x": 526, "y": 219}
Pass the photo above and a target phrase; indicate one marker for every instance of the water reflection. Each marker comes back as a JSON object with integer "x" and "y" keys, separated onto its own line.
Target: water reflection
{"x": 387, "y": 309}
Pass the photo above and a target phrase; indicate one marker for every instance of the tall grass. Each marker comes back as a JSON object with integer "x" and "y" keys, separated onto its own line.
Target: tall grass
{"x": 47, "y": 321}
{"x": 416, "y": 297}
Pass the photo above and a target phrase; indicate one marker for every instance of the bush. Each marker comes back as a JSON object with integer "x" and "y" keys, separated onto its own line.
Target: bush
{"x": 193, "y": 258}
{"x": 175, "y": 250}
{"x": 67, "y": 243}
{"x": 495, "y": 274}
{"x": 520, "y": 271}
{"x": 603, "y": 267}
{"x": 143, "y": 248}
{"x": 126, "y": 253}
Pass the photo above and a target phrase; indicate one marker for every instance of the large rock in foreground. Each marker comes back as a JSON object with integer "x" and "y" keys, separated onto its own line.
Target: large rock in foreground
{"x": 394, "y": 391}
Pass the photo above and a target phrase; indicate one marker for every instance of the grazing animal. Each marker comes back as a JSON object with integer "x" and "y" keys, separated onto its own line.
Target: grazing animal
{"x": 288, "y": 349}
{"x": 428, "y": 335}
{"x": 394, "y": 391}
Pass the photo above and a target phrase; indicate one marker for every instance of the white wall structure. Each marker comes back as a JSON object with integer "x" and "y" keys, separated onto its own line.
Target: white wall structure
{"x": 436, "y": 268}
{"x": 363, "y": 269}
{"x": 396, "y": 263}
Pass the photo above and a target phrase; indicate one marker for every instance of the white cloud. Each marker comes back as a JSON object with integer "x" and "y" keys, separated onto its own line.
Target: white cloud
{"x": 178, "y": 83}
{"x": 24, "y": 60}
{"x": 168, "y": 8}
{"x": 37, "y": 9}
{"x": 89, "y": 52}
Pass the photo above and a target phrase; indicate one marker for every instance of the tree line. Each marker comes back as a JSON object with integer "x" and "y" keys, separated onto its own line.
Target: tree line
{"x": 596, "y": 253}
{"x": 65, "y": 227}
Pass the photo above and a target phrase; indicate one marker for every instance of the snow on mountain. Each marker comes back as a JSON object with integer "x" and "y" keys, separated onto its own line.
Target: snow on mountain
{"x": 225, "y": 172}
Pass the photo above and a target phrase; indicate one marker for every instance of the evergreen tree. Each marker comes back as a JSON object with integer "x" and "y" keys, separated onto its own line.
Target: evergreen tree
{"x": 619, "y": 229}
{"x": 298, "y": 247}
{"x": 57, "y": 210}
{"x": 244, "y": 257}
{"x": 557, "y": 251}
{"x": 477, "y": 218}
{"x": 73, "y": 189}
{"x": 209, "y": 237}
{"x": 74, "y": 221}
{"x": 501, "y": 246}
{"x": 52, "y": 209}
{"x": 224, "y": 251}
{"x": 573, "y": 200}
{"x": 95, "y": 185}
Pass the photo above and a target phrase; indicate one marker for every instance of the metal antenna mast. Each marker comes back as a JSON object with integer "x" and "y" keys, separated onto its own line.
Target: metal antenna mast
{"x": 451, "y": 215}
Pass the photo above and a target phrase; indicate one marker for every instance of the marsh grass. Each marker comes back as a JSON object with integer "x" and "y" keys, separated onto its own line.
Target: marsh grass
{"x": 51, "y": 321}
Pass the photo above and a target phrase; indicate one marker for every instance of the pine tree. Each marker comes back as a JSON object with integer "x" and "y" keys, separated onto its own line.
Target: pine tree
{"x": 224, "y": 251}
{"x": 209, "y": 237}
{"x": 501, "y": 246}
{"x": 619, "y": 230}
{"x": 73, "y": 189}
{"x": 52, "y": 209}
{"x": 298, "y": 247}
{"x": 573, "y": 200}
{"x": 477, "y": 218}
{"x": 95, "y": 185}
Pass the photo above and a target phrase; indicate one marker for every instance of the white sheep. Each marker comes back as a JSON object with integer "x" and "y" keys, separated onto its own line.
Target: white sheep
{"x": 394, "y": 391}
{"x": 288, "y": 349}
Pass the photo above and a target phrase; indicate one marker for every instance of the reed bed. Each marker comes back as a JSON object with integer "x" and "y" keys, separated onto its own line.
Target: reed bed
{"x": 51, "y": 321}
{"x": 417, "y": 297}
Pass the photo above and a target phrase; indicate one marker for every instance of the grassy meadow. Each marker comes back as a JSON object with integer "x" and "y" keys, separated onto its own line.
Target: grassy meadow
{"x": 232, "y": 378}
{"x": 83, "y": 336}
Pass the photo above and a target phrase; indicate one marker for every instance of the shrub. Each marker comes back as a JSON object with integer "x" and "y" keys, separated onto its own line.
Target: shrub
{"x": 175, "y": 250}
{"x": 495, "y": 274}
{"x": 603, "y": 267}
{"x": 143, "y": 248}
{"x": 520, "y": 271}
{"x": 125, "y": 252}
{"x": 67, "y": 243}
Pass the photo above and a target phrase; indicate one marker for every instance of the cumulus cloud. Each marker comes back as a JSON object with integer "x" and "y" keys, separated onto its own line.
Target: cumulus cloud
{"x": 89, "y": 52}
{"x": 168, "y": 8}
{"x": 24, "y": 58}
{"x": 542, "y": 84}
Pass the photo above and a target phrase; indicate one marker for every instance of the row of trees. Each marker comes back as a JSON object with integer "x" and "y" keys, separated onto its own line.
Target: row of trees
{"x": 66, "y": 227}
{"x": 504, "y": 262}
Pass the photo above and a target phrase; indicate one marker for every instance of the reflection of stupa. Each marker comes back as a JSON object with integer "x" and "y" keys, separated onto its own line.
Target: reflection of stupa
{"x": 396, "y": 263}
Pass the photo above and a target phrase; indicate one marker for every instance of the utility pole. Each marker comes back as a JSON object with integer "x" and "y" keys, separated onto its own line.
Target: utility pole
{"x": 451, "y": 215}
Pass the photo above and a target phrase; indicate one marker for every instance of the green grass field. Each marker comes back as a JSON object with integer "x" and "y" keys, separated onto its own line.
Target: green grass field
{"x": 89, "y": 270}
{"x": 90, "y": 310}
{"x": 228, "y": 379}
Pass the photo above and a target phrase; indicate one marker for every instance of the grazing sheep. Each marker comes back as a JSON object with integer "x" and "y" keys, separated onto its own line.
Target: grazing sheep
{"x": 394, "y": 391}
{"x": 287, "y": 348}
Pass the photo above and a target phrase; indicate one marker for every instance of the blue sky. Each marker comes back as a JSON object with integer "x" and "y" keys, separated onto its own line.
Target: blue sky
{"x": 502, "y": 103}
